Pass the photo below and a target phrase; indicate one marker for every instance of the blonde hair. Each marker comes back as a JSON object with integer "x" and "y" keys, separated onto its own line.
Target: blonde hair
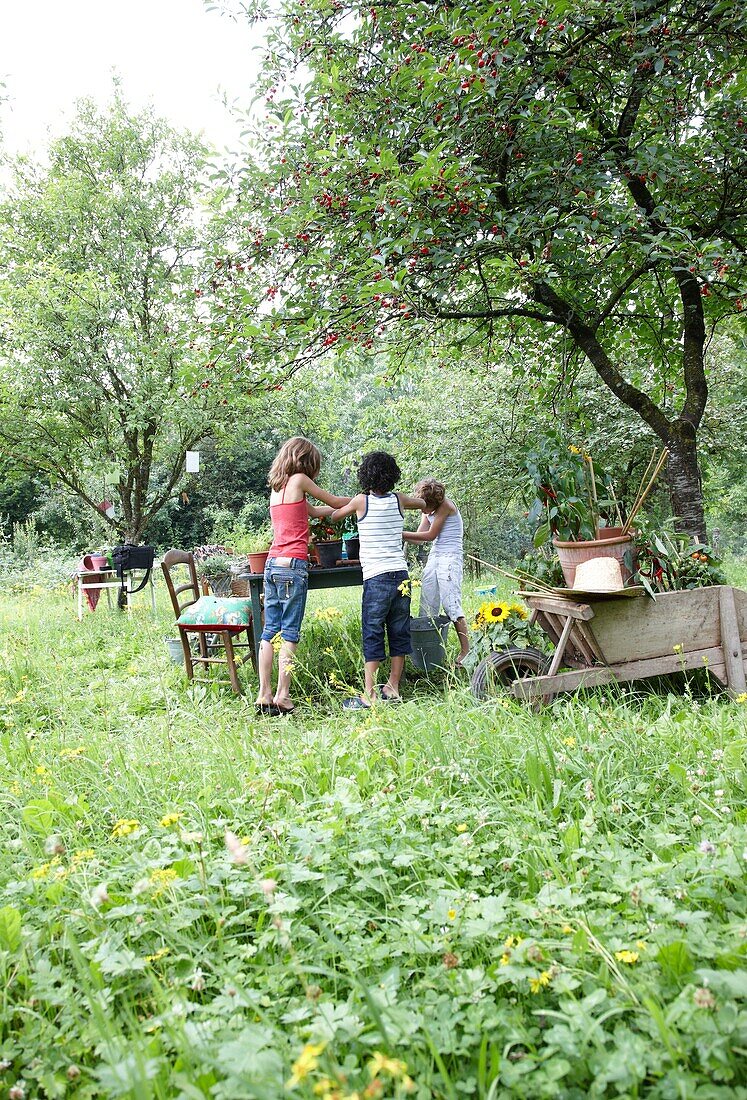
{"x": 296, "y": 456}
{"x": 433, "y": 492}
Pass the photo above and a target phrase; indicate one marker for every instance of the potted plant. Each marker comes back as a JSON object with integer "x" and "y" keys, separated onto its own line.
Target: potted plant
{"x": 257, "y": 546}
{"x": 327, "y": 537}
{"x": 216, "y": 570}
{"x": 574, "y": 505}
{"x": 351, "y": 539}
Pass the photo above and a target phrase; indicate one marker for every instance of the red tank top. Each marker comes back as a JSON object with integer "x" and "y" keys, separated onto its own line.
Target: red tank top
{"x": 290, "y": 525}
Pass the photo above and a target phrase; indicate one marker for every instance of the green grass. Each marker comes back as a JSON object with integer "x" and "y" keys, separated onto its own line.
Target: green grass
{"x": 453, "y": 883}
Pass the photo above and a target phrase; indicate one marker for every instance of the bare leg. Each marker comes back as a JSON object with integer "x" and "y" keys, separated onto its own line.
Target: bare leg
{"x": 462, "y": 634}
{"x": 266, "y": 657}
{"x": 370, "y": 670}
{"x": 282, "y": 695}
{"x": 391, "y": 688}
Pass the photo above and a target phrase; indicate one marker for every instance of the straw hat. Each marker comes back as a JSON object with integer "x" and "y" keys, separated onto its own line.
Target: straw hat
{"x": 598, "y": 575}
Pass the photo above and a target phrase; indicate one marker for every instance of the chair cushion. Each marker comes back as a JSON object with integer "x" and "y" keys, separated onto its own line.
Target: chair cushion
{"x": 209, "y": 612}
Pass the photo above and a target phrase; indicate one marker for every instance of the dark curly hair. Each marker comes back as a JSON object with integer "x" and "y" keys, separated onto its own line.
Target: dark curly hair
{"x": 378, "y": 472}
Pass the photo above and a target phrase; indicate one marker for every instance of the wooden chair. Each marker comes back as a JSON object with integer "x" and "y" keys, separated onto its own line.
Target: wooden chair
{"x": 183, "y": 595}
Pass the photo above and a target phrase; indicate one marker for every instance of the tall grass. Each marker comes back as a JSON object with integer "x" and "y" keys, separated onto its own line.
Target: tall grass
{"x": 433, "y": 900}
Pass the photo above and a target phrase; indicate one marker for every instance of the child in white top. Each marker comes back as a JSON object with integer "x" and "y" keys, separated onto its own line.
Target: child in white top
{"x": 442, "y": 580}
{"x": 386, "y": 589}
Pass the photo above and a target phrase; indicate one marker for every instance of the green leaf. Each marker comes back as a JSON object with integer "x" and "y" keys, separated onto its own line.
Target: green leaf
{"x": 39, "y": 814}
{"x": 10, "y": 929}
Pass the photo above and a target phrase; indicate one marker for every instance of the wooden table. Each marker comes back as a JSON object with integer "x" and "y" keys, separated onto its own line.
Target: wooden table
{"x": 340, "y": 576}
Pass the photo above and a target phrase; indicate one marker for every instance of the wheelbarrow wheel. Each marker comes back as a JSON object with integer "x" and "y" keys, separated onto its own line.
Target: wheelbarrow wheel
{"x": 500, "y": 668}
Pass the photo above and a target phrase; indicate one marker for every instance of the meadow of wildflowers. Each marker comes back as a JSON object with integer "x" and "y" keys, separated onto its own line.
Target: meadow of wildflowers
{"x": 433, "y": 900}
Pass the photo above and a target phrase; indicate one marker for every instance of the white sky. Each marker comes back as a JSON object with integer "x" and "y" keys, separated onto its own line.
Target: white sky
{"x": 172, "y": 53}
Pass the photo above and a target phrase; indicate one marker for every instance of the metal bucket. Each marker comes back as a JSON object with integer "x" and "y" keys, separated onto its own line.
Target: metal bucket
{"x": 429, "y": 643}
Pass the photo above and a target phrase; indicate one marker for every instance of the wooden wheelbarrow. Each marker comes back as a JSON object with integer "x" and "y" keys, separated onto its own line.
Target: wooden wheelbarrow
{"x": 609, "y": 639}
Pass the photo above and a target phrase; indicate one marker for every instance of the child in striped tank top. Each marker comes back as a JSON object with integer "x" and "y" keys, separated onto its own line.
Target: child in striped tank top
{"x": 386, "y": 590}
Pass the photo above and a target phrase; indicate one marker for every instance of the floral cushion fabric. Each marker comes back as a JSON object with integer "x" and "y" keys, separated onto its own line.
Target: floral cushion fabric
{"x": 210, "y": 612}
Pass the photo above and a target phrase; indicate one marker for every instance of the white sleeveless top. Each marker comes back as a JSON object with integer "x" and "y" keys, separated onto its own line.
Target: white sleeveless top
{"x": 450, "y": 539}
{"x": 380, "y": 531}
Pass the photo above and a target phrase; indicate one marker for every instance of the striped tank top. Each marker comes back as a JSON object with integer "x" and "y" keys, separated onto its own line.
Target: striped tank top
{"x": 380, "y": 530}
{"x": 450, "y": 539}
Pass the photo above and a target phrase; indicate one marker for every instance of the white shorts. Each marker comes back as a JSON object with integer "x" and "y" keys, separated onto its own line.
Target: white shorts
{"x": 442, "y": 586}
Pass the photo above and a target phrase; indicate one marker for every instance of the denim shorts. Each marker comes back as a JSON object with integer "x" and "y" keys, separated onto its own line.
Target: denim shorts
{"x": 386, "y": 609}
{"x": 286, "y": 587}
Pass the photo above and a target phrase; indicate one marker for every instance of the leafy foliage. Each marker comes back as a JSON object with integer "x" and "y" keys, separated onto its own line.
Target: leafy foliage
{"x": 570, "y": 175}
{"x": 487, "y": 901}
{"x": 102, "y": 334}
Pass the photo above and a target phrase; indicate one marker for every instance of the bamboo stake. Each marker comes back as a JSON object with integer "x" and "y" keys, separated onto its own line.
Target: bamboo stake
{"x": 525, "y": 581}
{"x": 595, "y": 501}
{"x": 649, "y": 467}
{"x": 618, "y": 513}
{"x": 641, "y": 500}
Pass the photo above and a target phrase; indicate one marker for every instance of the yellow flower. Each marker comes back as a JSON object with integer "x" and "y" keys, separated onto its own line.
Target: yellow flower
{"x": 70, "y": 754}
{"x": 567, "y": 929}
{"x": 570, "y": 742}
{"x": 676, "y": 648}
{"x": 641, "y": 945}
{"x": 513, "y": 941}
{"x": 307, "y": 1061}
{"x": 462, "y": 828}
{"x": 628, "y": 957}
{"x": 158, "y": 955}
{"x": 742, "y": 697}
{"x": 451, "y": 914}
{"x": 41, "y": 770}
{"x": 125, "y": 826}
{"x": 574, "y": 450}
{"x": 495, "y": 612}
{"x": 536, "y": 984}
{"x": 505, "y": 959}
{"x": 161, "y": 879}
{"x": 171, "y": 819}
{"x": 381, "y": 1064}
{"x": 277, "y": 641}
{"x": 404, "y": 588}
{"x": 82, "y": 855}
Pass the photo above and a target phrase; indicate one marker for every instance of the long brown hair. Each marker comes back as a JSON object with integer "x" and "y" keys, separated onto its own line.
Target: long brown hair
{"x": 431, "y": 491}
{"x": 296, "y": 456}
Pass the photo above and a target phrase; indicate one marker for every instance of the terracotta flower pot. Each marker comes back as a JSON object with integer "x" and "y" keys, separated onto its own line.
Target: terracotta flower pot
{"x": 613, "y": 545}
{"x": 257, "y": 561}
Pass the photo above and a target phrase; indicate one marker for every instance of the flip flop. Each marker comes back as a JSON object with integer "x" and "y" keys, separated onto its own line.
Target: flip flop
{"x": 268, "y": 710}
{"x": 389, "y": 698}
{"x": 284, "y": 710}
{"x": 356, "y": 703}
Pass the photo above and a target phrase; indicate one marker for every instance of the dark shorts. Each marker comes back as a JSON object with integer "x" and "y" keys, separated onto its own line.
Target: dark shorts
{"x": 386, "y": 609}
{"x": 286, "y": 587}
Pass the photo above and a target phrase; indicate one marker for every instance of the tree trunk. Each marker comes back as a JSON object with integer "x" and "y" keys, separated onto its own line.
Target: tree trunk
{"x": 685, "y": 486}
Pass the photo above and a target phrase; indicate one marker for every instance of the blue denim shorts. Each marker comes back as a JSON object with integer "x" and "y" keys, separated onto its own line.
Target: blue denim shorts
{"x": 286, "y": 587}
{"x": 386, "y": 609}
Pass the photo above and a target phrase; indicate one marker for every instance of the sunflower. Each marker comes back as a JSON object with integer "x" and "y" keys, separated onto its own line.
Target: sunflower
{"x": 495, "y": 612}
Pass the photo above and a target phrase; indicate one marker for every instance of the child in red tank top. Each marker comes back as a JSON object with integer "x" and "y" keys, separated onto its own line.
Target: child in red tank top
{"x": 286, "y": 580}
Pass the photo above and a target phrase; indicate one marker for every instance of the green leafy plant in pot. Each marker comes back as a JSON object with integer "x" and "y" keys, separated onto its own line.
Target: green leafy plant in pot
{"x": 216, "y": 570}
{"x": 572, "y": 504}
{"x": 327, "y": 537}
{"x": 256, "y": 546}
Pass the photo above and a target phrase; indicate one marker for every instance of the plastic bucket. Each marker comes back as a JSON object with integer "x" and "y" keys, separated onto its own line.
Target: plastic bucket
{"x": 429, "y": 643}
